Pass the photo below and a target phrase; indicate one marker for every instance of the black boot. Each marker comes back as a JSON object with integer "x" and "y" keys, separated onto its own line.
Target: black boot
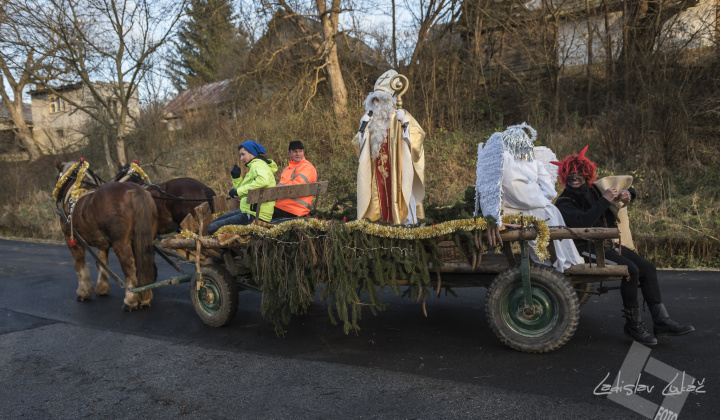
{"x": 636, "y": 329}
{"x": 664, "y": 326}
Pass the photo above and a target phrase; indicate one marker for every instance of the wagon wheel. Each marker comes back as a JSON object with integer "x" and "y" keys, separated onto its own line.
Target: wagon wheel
{"x": 216, "y": 302}
{"x": 551, "y": 321}
{"x": 584, "y": 291}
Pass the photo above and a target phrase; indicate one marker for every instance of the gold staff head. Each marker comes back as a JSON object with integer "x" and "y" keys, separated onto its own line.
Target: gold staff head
{"x": 399, "y": 84}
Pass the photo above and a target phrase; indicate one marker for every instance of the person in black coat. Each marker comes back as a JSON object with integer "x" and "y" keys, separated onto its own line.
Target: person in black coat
{"x": 583, "y": 205}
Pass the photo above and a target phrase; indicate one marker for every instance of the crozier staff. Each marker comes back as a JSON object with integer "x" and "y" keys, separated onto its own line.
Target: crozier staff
{"x": 391, "y": 165}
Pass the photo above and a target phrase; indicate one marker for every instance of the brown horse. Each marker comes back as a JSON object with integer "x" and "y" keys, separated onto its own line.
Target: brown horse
{"x": 174, "y": 199}
{"x": 117, "y": 215}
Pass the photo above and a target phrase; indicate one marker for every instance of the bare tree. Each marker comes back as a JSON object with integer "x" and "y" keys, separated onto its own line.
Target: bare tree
{"x": 430, "y": 14}
{"x": 18, "y": 62}
{"x": 116, "y": 41}
{"x": 325, "y": 46}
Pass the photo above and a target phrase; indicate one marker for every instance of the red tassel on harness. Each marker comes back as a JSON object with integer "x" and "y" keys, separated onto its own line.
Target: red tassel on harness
{"x": 72, "y": 243}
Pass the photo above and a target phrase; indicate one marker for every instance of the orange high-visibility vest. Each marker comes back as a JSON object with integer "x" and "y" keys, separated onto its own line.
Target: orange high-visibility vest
{"x": 302, "y": 172}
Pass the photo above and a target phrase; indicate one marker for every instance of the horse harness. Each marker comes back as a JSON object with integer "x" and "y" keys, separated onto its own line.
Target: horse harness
{"x": 60, "y": 210}
{"x": 66, "y": 193}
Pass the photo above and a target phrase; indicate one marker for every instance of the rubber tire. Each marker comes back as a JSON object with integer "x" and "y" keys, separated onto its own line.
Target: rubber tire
{"x": 581, "y": 288}
{"x": 218, "y": 279}
{"x": 564, "y": 310}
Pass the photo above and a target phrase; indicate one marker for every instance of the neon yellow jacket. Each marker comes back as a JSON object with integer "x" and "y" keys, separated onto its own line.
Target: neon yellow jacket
{"x": 260, "y": 175}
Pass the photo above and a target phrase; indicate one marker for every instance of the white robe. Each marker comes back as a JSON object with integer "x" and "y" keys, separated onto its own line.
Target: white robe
{"x": 411, "y": 173}
{"x": 528, "y": 188}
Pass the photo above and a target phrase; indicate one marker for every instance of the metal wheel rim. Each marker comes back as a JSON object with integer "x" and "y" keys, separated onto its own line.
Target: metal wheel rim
{"x": 209, "y": 307}
{"x": 545, "y": 317}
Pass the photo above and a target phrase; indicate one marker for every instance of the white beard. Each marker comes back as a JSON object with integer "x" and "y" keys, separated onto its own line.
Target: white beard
{"x": 381, "y": 119}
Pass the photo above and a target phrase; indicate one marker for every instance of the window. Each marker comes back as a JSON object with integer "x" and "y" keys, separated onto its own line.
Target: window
{"x": 56, "y": 104}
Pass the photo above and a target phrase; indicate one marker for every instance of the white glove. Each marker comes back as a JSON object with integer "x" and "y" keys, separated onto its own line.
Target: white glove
{"x": 400, "y": 115}
{"x": 365, "y": 118}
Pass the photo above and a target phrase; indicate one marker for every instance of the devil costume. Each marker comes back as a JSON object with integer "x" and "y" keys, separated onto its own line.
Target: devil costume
{"x": 585, "y": 206}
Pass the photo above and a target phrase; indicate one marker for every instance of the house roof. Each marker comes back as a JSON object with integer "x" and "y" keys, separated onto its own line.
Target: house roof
{"x": 42, "y": 89}
{"x": 27, "y": 112}
{"x": 201, "y": 97}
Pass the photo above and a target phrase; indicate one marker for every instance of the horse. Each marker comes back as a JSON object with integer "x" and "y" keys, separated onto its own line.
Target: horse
{"x": 175, "y": 199}
{"x": 118, "y": 215}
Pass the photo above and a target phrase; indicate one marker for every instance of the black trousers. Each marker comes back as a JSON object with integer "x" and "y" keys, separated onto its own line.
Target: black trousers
{"x": 642, "y": 272}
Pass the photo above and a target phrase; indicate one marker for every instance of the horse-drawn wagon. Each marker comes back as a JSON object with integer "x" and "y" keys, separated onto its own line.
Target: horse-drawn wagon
{"x": 530, "y": 307}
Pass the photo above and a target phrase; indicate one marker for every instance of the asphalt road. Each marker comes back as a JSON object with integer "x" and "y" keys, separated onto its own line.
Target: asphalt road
{"x": 64, "y": 359}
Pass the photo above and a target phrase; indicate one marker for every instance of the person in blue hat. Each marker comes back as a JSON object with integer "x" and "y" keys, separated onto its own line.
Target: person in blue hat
{"x": 260, "y": 175}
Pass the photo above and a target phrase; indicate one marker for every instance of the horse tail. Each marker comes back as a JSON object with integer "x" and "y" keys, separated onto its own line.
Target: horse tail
{"x": 210, "y": 193}
{"x": 145, "y": 226}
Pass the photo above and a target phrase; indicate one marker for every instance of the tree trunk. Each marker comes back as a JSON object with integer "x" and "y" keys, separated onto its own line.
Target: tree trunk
{"x": 394, "y": 38}
{"x": 26, "y": 137}
{"x": 332, "y": 64}
{"x": 108, "y": 155}
{"x": 121, "y": 128}
{"x": 590, "y": 39}
{"x": 23, "y": 131}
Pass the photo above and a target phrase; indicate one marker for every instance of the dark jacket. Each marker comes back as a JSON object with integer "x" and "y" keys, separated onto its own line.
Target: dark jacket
{"x": 586, "y": 207}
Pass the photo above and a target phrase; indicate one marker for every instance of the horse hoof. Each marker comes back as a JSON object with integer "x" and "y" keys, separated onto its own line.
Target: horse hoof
{"x": 82, "y": 299}
{"x": 103, "y": 295}
{"x": 128, "y": 308}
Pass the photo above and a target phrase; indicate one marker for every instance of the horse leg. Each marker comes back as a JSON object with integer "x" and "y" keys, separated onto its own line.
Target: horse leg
{"x": 85, "y": 288}
{"x": 124, "y": 253}
{"x": 103, "y": 286}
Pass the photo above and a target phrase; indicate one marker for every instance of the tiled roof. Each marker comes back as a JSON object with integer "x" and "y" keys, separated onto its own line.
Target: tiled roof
{"x": 27, "y": 112}
{"x": 201, "y": 97}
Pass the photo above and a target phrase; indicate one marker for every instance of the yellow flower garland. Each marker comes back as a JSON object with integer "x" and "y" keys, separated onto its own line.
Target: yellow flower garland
{"x": 134, "y": 167}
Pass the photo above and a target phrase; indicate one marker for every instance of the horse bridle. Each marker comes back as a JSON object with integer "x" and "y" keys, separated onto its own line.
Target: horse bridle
{"x": 60, "y": 201}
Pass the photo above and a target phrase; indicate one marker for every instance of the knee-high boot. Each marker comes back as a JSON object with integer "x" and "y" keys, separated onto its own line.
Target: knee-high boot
{"x": 663, "y": 326}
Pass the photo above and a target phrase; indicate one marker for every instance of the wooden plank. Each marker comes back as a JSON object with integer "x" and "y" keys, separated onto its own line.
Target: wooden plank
{"x": 189, "y": 223}
{"x": 511, "y": 235}
{"x": 263, "y": 195}
{"x": 588, "y": 269}
{"x": 490, "y": 264}
{"x": 507, "y": 250}
{"x": 204, "y": 216}
{"x": 553, "y": 252}
{"x": 220, "y": 203}
{"x": 584, "y": 233}
{"x": 234, "y": 205}
{"x": 599, "y": 253}
{"x": 190, "y": 243}
{"x": 495, "y": 263}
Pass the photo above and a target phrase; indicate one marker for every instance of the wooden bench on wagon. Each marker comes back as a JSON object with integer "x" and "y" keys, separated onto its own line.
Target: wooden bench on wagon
{"x": 198, "y": 221}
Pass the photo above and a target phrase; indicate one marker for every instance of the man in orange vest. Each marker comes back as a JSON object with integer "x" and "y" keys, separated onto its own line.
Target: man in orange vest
{"x": 298, "y": 171}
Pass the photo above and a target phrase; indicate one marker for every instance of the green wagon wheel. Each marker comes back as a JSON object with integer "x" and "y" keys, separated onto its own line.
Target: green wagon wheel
{"x": 547, "y": 324}
{"x": 535, "y": 321}
{"x": 216, "y": 300}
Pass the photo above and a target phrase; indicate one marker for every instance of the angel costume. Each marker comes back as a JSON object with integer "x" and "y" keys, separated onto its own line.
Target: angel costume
{"x": 514, "y": 177}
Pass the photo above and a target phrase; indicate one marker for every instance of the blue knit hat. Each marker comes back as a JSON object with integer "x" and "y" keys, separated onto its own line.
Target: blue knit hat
{"x": 253, "y": 147}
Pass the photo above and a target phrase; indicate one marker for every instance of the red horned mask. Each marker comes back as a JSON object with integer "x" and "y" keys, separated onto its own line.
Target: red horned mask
{"x": 577, "y": 164}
